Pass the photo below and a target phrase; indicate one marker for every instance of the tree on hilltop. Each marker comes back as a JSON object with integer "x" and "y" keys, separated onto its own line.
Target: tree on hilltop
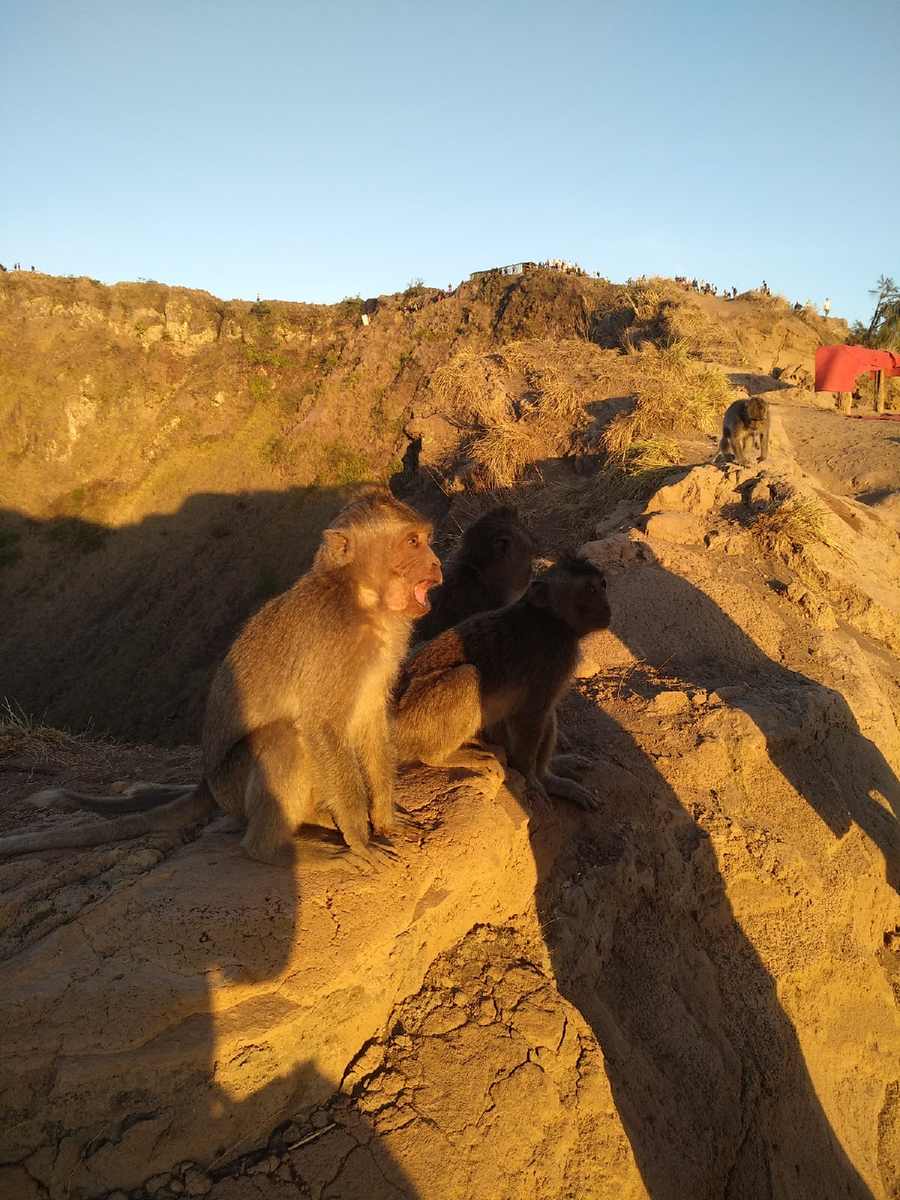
{"x": 883, "y": 332}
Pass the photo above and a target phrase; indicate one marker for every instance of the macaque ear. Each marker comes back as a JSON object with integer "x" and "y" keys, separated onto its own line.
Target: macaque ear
{"x": 502, "y": 545}
{"x": 336, "y": 549}
{"x": 539, "y": 594}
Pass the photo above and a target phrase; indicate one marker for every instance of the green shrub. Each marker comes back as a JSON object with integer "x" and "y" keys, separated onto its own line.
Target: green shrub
{"x": 344, "y": 465}
{"x": 75, "y": 534}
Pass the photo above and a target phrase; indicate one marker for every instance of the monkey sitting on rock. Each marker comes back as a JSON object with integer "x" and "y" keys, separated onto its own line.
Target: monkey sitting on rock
{"x": 504, "y": 671}
{"x": 745, "y": 425}
{"x": 297, "y": 722}
{"x": 490, "y": 568}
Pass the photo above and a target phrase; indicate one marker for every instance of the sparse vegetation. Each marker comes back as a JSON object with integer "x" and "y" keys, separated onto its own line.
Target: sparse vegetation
{"x": 10, "y": 550}
{"x": 345, "y": 466}
{"x": 256, "y": 356}
{"x": 278, "y": 451}
{"x": 672, "y": 393}
{"x": 502, "y": 452}
{"x": 259, "y": 388}
{"x": 786, "y": 527}
{"x": 75, "y": 534}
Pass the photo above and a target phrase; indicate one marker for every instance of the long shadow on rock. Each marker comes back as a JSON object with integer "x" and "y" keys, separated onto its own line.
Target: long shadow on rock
{"x": 811, "y": 734}
{"x": 707, "y": 1074}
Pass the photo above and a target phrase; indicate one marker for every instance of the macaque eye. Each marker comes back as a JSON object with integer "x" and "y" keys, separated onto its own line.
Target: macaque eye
{"x": 414, "y": 539}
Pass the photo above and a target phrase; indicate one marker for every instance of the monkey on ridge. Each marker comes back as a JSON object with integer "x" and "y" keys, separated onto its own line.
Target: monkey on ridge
{"x": 490, "y": 567}
{"x": 745, "y": 425}
{"x": 504, "y": 671}
{"x": 297, "y": 721}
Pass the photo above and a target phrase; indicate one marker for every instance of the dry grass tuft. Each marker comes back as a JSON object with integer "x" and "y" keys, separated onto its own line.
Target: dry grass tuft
{"x": 22, "y": 735}
{"x": 664, "y": 313}
{"x": 644, "y": 465}
{"x": 467, "y": 383}
{"x": 502, "y": 453}
{"x": 547, "y": 368}
{"x": 788, "y": 526}
{"x": 671, "y": 393}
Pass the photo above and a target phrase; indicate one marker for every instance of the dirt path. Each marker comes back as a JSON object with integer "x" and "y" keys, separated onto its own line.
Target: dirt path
{"x": 856, "y": 457}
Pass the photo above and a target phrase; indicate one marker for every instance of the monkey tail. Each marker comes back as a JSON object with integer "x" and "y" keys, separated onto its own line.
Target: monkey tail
{"x": 184, "y": 810}
{"x": 140, "y": 797}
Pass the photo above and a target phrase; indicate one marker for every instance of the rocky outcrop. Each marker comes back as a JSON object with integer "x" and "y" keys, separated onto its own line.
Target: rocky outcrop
{"x": 184, "y": 1015}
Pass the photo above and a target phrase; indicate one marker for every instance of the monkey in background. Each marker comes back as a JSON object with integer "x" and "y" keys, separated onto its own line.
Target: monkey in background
{"x": 745, "y": 425}
{"x": 297, "y": 722}
{"x": 491, "y": 567}
{"x": 504, "y": 671}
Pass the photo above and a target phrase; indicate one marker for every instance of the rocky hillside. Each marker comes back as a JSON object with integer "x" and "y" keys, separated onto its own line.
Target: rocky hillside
{"x": 692, "y": 992}
{"x": 170, "y": 459}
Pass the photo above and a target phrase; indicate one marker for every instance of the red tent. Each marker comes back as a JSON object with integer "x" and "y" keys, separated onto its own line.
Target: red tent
{"x": 838, "y": 366}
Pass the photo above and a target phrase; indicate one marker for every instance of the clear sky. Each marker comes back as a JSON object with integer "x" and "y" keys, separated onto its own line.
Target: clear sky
{"x": 314, "y": 149}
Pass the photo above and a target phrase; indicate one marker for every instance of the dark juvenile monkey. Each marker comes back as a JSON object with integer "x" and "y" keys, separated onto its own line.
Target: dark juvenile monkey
{"x": 491, "y": 567}
{"x": 297, "y": 721}
{"x": 503, "y": 671}
{"x": 746, "y": 423}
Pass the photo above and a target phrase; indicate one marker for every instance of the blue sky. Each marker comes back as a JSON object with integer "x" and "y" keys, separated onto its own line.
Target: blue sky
{"x": 313, "y": 149}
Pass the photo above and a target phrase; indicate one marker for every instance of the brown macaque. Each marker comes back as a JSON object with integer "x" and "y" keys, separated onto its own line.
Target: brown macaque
{"x": 297, "y": 722}
{"x": 491, "y": 567}
{"x": 744, "y": 427}
{"x": 503, "y": 672}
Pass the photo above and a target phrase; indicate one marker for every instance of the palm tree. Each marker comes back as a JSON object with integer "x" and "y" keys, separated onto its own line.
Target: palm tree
{"x": 884, "y": 328}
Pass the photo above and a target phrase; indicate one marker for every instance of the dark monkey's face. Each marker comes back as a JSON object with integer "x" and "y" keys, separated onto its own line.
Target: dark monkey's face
{"x": 576, "y": 591}
{"x": 414, "y": 570}
{"x": 590, "y": 604}
{"x": 756, "y": 414}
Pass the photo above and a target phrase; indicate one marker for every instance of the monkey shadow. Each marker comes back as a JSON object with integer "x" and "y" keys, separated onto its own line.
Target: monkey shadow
{"x": 706, "y": 1071}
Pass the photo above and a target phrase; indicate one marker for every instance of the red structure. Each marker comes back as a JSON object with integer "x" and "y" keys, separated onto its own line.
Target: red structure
{"x": 838, "y": 366}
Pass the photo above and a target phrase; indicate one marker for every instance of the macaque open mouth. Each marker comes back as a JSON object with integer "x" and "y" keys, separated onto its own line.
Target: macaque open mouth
{"x": 421, "y": 593}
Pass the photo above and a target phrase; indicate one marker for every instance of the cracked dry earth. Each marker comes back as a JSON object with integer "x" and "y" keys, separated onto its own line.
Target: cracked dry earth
{"x": 690, "y": 993}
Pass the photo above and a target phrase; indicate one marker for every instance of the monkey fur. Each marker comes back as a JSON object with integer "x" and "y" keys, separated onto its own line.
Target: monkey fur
{"x": 745, "y": 425}
{"x": 490, "y": 568}
{"x": 297, "y": 721}
{"x": 503, "y": 671}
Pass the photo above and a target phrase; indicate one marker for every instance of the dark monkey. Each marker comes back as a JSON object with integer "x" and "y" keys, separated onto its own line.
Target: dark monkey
{"x": 504, "y": 671}
{"x": 746, "y": 424}
{"x": 491, "y": 567}
{"x": 297, "y": 721}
